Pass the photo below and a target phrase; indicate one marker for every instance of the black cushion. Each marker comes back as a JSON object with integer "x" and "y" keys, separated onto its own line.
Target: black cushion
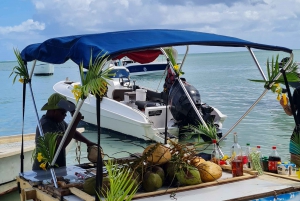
{"x": 144, "y": 104}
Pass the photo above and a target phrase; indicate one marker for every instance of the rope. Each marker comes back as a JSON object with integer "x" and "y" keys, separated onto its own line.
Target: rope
{"x": 78, "y": 151}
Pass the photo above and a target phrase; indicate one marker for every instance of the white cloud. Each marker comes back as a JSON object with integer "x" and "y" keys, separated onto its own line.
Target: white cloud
{"x": 28, "y": 25}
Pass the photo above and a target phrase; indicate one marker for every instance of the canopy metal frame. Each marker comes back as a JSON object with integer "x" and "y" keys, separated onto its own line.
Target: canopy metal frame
{"x": 74, "y": 51}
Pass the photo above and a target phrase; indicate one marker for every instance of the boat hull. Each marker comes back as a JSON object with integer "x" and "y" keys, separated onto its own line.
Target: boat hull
{"x": 10, "y": 159}
{"x": 118, "y": 116}
{"x": 152, "y": 68}
{"x": 44, "y": 69}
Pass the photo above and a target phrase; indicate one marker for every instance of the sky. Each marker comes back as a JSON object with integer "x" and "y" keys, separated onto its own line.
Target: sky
{"x": 272, "y": 22}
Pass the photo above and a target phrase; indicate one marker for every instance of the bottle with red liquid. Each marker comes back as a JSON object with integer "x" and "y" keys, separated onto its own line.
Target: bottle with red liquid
{"x": 237, "y": 158}
{"x": 215, "y": 155}
{"x": 274, "y": 158}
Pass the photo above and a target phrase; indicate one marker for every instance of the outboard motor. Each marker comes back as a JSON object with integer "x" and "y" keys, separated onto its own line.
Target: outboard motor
{"x": 182, "y": 110}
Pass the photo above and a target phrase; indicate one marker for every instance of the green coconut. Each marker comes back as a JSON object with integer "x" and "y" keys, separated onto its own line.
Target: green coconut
{"x": 158, "y": 170}
{"x": 188, "y": 176}
{"x": 89, "y": 186}
{"x": 152, "y": 181}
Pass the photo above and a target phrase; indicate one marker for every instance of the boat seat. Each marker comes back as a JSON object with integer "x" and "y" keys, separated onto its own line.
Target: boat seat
{"x": 118, "y": 94}
{"x": 143, "y": 104}
{"x": 157, "y": 96}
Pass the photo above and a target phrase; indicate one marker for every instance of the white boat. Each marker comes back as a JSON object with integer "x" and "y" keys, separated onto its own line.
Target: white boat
{"x": 10, "y": 150}
{"x": 44, "y": 69}
{"x": 147, "y": 62}
{"x": 152, "y": 68}
{"x": 137, "y": 111}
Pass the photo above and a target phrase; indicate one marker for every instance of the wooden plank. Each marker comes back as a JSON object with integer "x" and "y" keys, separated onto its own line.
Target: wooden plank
{"x": 81, "y": 194}
{"x": 291, "y": 177}
{"x": 30, "y": 193}
{"x": 44, "y": 196}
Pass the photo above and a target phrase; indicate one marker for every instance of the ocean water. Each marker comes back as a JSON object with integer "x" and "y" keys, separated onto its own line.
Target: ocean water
{"x": 221, "y": 78}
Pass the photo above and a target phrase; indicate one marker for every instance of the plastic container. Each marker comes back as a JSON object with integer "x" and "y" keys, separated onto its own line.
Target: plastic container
{"x": 141, "y": 94}
{"x": 237, "y": 156}
{"x": 274, "y": 158}
{"x": 283, "y": 169}
{"x": 215, "y": 155}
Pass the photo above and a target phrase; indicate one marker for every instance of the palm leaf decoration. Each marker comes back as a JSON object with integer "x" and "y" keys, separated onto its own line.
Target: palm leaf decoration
{"x": 45, "y": 150}
{"x": 95, "y": 80}
{"x": 169, "y": 52}
{"x": 121, "y": 186}
{"x": 20, "y": 70}
{"x": 273, "y": 69}
{"x": 209, "y": 131}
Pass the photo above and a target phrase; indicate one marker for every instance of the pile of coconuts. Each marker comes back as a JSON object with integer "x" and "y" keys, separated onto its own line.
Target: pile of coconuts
{"x": 167, "y": 165}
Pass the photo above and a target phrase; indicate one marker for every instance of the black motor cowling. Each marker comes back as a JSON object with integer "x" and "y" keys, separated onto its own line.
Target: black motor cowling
{"x": 182, "y": 110}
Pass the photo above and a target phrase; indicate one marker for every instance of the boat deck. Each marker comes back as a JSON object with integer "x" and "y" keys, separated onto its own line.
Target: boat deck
{"x": 10, "y": 145}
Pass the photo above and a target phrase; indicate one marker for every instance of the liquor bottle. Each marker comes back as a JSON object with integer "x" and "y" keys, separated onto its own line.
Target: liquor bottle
{"x": 246, "y": 157}
{"x": 215, "y": 155}
{"x": 274, "y": 158}
{"x": 236, "y": 158}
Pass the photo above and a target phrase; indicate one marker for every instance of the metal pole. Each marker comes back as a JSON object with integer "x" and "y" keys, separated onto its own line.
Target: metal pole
{"x": 261, "y": 96}
{"x": 257, "y": 64}
{"x": 66, "y": 133}
{"x": 183, "y": 60}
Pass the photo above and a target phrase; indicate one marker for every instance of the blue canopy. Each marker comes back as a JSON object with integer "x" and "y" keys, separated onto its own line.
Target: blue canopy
{"x": 80, "y": 47}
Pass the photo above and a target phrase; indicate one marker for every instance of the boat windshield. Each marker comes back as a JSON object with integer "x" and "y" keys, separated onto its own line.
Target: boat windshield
{"x": 117, "y": 73}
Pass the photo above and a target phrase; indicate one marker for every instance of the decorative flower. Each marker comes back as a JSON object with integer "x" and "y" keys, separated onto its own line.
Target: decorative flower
{"x": 77, "y": 92}
{"x": 21, "y": 80}
{"x": 39, "y": 157}
{"x": 43, "y": 166}
{"x": 225, "y": 157}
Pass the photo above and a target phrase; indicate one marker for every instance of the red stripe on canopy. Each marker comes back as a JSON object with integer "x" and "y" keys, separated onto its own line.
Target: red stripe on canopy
{"x": 142, "y": 57}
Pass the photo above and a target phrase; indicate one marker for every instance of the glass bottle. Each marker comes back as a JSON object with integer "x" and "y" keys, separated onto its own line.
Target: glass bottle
{"x": 263, "y": 160}
{"x": 246, "y": 157}
{"x": 236, "y": 158}
{"x": 274, "y": 158}
{"x": 215, "y": 155}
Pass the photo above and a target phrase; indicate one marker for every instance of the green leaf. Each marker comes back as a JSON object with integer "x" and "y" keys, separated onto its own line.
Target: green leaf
{"x": 21, "y": 70}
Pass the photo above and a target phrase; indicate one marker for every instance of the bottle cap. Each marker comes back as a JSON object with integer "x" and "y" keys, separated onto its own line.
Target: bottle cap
{"x": 258, "y": 146}
{"x": 248, "y": 144}
{"x": 274, "y": 147}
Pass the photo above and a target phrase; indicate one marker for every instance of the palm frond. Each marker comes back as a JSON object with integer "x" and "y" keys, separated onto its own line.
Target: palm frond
{"x": 95, "y": 80}
{"x": 209, "y": 131}
{"x": 20, "y": 70}
{"x": 46, "y": 146}
{"x": 121, "y": 185}
{"x": 273, "y": 69}
{"x": 171, "y": 57}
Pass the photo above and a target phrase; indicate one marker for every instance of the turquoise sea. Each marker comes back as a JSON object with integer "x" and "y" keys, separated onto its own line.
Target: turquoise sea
{"x": 221, "y": 78}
